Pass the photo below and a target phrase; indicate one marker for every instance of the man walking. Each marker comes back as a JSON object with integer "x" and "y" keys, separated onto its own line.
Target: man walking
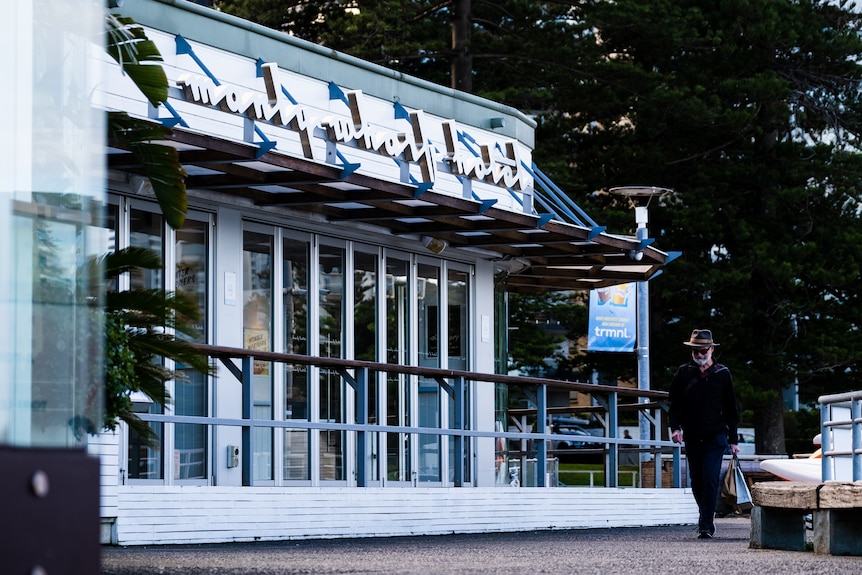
{"x": 704, "y": 415}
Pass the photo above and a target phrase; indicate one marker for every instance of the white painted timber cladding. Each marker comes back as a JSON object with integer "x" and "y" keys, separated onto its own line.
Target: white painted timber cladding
{"x": 192, "y": 514}
{"x": 106, "y": 446}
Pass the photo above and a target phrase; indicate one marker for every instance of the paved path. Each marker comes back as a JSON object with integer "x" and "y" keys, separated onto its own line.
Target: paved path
{"x": 647, "y": 550}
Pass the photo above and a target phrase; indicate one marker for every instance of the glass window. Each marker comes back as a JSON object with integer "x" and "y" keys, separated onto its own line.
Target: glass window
{"x": 146, "y": 230}
{"x": 51, "y": 193}
{"x": 365, "y": 340}
{"x": 457, "y": 302}
{"x": 295, "y": 311}
{"x": 190, "y": 388}
{"x": 501, "y": 390}
{"x": 257, "y": 335}
{"x": 397, "y": 352}
{"x": 47, "y": 400}
{"x": 331, "y": 317}
{"x": 428, "y": 284}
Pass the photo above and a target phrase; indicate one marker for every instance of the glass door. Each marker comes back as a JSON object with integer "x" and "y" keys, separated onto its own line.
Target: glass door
{"x": 330, "y": 338}
{"x": 145, "y": 461}
{"x": 365, "y": 345}
{"x": 428, "y": 299}
{"x": 297, "y": 442}
{"x": 398, "y": 465}
{"x": 257, "y": 335}
{"x": 191, "y": 393}
{"x": 457, "y": 346}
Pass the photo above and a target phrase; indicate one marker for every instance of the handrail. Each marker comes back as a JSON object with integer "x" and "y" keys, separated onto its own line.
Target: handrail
{"x": 222, "y": 352}
{"x": 831, "y": 452}
{"x": 453, "y": 383}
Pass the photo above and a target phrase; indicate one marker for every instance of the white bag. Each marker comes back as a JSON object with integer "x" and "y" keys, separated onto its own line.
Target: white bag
{"x": 743, "y": 495}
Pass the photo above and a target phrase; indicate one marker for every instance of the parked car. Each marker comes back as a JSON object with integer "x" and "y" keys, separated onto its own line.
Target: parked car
{"x": 575, "y": 432}
{"x": 746, "y": 442}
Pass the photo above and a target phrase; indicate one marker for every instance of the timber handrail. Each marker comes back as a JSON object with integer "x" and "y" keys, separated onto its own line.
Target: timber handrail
{"x": 222, "y": 353}
{"x": 357, "y": 373}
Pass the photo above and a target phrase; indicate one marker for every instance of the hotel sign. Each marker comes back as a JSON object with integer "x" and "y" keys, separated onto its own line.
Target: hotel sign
{"x": 498, "y": 163}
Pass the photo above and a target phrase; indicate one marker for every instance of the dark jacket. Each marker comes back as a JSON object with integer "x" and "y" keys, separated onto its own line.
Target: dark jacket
{"x": 703, "y": 404}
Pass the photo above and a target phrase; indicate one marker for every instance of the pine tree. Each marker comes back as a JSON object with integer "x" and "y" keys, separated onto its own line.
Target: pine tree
{"x": 750, "y": 110}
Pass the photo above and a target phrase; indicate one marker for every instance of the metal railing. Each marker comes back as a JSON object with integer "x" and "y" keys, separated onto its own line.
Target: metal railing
{"x": 841, "y": 434}
{"x": 355, "y": 373}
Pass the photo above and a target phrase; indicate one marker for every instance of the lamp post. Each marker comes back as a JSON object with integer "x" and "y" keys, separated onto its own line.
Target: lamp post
{"x": 640, "y": 197}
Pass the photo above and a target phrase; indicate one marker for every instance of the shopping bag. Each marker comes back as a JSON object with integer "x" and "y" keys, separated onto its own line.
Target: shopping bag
{"x": 728, "y": 483}
{"x": 743, "y": 495}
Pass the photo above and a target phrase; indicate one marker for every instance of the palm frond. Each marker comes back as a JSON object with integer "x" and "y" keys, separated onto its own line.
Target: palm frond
{"x": 137, "y": 55}
{"x": 161, "y": 163}
{"x": 141, "y": 326}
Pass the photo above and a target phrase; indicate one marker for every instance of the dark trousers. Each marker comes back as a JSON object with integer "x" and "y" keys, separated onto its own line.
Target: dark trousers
{"x": 704, "y": 458}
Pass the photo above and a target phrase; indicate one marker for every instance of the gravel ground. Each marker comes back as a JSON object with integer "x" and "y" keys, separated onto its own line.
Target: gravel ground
{"x": 648, "y": 550}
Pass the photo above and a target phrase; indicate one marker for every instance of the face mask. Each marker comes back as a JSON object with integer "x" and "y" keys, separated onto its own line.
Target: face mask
{"x": 701, "y": 360}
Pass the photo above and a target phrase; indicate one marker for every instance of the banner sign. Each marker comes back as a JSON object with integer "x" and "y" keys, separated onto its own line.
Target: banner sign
{"x": 613, "y": 318}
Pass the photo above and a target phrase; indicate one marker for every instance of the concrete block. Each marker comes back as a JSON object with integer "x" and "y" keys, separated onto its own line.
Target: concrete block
{"x": 776, "y": 528}
{"x": 840, "y": 496}
{"x": 837, "y": 531}
{"x": 786, "y": 494}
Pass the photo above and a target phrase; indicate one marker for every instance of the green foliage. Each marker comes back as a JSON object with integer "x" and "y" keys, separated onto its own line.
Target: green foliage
{"x": 800, "y": 427}
{"x": 120, "y": 380}
{"x": 536, "y": 329}
{"x": 141, "y": 330}
{"x": 161, "y": 163}
{"x": 520, "y": 49}
{"x": 139, "y": 57}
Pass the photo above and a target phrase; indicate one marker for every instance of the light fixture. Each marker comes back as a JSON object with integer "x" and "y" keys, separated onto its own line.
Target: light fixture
{"x": 637, "y": 192}
{"x": 511, "y": 266}
{"x": 640, "y": 197}
{"x": 141, "y": 185}
{"x": 435, "y": 245}
{"x": 497, "y": 122}
{"x": 141, "y": 402}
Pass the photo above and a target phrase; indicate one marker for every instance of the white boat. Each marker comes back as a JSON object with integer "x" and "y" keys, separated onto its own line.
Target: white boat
{"x": 808, "y": 469}
{"x": 811, "y": 468}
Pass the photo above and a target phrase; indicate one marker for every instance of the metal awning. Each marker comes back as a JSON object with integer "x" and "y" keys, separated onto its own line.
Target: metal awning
{"x": 553, "y": 246}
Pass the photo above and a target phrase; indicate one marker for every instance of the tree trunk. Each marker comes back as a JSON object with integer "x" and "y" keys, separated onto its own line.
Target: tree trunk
{"x": 769, "y": 427}
{"x": 462, "y": 58}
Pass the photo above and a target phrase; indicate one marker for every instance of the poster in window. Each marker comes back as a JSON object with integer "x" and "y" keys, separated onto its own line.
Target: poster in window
{"x": 257, "y": 340}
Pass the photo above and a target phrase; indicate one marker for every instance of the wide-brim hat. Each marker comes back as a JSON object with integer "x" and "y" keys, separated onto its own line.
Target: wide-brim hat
{"x": 700, "y": 338}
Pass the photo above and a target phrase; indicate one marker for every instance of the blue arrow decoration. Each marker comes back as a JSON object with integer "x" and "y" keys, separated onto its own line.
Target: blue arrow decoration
{"x": 466, "y": 139}
{"x": 644, "y": 243}
{"x": 347, "y": 168}
{"x": 672, "y": 256}
{"x": 596, "y": 231}
{"x": 336, "y": 93}
{"x": 183, "y": 47}
{"x": 401, "y": 112}
{"x": 265, "y": 146}
{"x": 544, "y": 219}
{"x": 486, "y": 204}
{"x": 176, "y": 119}
{"x": 421, "y": 187}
